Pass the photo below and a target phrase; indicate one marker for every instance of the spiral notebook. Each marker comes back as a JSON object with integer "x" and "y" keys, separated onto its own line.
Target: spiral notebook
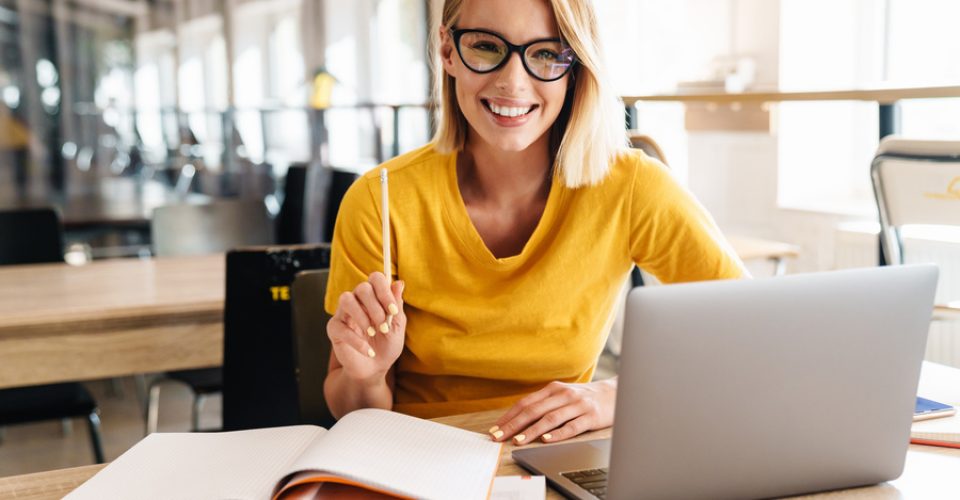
{"x": 376, "y": 450}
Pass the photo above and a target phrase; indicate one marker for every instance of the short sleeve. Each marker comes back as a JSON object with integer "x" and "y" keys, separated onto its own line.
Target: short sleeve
{"x": 673, "y": 236}
{"x": 357, "y": 248}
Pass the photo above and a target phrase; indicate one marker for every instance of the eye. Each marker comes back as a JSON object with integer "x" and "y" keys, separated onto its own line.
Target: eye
{"x": 546, "y": 55}
{"x": 486, "y": 47}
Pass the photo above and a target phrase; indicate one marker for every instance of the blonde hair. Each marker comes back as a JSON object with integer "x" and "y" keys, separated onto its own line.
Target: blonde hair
{"x": 589, "y": 132}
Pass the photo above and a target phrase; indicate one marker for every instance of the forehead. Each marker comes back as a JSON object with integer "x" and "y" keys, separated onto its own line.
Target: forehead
{"x": 519, "y": 21}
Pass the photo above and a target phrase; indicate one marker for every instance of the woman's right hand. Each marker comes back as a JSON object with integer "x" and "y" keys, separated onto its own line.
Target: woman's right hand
{"x": 366, "y": 332}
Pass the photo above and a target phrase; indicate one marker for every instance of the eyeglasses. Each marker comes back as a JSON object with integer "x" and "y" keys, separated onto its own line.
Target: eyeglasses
{"x": 484, "y": 51}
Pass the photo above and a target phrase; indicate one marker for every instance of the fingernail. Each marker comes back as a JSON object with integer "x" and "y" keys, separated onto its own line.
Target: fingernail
{"x": 393, "y": 309}
{"x": 370, "y": 331}
{"x": 494, "y": 429}
{"x": 371, "y": 353}
{"x": 547, "y": 437}
{"x": 402, "y": 285}
{"x": 498, "y": 434}
{"x": 384, "y": 328}
{"x": 519, "y": 438}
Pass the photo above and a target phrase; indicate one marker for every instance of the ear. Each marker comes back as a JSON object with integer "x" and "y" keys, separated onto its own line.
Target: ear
{"x": 447, "y": 51}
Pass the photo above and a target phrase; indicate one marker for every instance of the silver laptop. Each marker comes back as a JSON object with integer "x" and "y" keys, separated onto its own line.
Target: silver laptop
{"x": 758, "y": 388}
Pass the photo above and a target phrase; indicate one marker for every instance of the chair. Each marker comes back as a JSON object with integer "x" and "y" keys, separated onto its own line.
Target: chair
{"x": 324, "y": 191}
{"x": 916, "y": 182}
{"x": 311, "y": 345}
{"x": 201, "y": 229}
{"x": 259, "y": 382}
{"x": 35, "y": 236}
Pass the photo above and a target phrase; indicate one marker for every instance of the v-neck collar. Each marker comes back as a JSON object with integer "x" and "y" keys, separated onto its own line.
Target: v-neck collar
{"x": 457, "y": 216}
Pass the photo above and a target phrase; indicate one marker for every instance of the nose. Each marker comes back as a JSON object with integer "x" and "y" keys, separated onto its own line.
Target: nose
{"x": 512, "y": 76}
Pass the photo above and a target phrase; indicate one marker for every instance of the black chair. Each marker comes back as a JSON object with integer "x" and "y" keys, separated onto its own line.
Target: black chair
{"x": 259, "y": 386}
{"x": 324, "y": 191}
{"x": 35, "y": 236}
{"x": 203, "y": 229}
{"x": 311, "y": 345}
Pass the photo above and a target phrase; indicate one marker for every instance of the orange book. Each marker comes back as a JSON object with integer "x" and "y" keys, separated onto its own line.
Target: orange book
{"x": 374, "y": 452}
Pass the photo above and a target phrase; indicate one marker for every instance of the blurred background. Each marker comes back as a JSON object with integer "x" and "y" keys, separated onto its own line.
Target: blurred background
{"x": 112, "y": 109}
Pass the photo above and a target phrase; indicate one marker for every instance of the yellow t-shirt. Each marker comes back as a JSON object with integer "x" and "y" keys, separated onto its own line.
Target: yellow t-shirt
{"x": 483, "y": 331}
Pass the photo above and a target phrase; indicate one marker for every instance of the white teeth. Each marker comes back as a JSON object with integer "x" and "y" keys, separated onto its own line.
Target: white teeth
{"x": 508, "y": 111}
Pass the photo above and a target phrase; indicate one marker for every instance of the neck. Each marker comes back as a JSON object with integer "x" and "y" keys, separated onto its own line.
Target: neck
{"x": 504, "y": 178}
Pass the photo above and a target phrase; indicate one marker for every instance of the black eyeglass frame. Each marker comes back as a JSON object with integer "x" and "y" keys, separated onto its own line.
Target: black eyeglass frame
{"x": 511, "y": 48}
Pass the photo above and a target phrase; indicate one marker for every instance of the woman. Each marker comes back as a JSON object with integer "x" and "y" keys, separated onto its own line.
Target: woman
{"x": 513, "y": 232}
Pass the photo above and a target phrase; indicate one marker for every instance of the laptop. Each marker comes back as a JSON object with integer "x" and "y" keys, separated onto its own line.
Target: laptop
{"x": 757, "y": 388}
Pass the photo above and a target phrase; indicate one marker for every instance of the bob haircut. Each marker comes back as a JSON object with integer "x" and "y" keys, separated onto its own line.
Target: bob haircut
{"x": 588, "y": 133}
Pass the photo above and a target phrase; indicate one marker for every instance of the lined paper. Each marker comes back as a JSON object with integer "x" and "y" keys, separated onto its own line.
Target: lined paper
{"x": 406, "y": 455}
{"x": 240, "y": 465}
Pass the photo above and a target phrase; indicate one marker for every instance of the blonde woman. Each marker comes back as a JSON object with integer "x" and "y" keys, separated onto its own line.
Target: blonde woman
{"x": 513, "y": 231}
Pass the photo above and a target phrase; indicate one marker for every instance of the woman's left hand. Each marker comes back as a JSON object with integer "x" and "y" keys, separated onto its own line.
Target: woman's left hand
{"x": 558, "y": 411}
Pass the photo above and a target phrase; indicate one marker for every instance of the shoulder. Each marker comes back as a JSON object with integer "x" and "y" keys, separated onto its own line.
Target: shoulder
{"x": 632, "y": 170}
{"x": 413, "y": 162}
{"x": 412, "y": 175}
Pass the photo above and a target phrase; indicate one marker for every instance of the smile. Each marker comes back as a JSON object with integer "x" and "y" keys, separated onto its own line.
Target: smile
{"x": 509, "y": 111}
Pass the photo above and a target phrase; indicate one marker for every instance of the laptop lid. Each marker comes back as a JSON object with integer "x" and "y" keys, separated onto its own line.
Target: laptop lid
{"x": 769, "y": 387}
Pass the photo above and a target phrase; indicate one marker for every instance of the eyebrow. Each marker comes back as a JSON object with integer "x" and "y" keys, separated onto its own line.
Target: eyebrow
{"x": 505, "y": 37}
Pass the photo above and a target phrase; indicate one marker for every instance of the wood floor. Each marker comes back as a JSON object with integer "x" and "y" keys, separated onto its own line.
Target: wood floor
{"x": 43, "y": 446}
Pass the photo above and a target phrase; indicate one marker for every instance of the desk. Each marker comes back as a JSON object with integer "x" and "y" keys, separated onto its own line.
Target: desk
{"x": 754, "y": 248}
{"x": 929, "y": 472}
{"x": 110, "y": 318}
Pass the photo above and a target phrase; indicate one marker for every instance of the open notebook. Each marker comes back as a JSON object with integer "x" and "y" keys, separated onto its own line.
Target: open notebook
{"x": 377, "y": 450}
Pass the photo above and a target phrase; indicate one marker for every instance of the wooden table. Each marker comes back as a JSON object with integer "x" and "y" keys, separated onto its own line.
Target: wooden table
{"x": 929, "y": 472}
{"x": 748, "y": 248}
{"x": 110, "y": 318}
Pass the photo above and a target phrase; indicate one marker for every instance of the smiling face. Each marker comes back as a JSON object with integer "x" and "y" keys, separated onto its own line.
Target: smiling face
{"x": 506, "y": 109}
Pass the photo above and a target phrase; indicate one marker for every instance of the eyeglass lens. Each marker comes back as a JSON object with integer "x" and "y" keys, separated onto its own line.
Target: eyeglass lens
{"x": 546, "y": 60}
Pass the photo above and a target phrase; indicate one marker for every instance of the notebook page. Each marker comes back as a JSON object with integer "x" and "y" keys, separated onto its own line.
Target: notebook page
{"x": 238, "y": 465}
{"x": 406, "y": 455}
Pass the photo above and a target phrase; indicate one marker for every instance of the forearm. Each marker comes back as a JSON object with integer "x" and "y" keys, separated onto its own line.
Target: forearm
{"x": 344, "y": 394}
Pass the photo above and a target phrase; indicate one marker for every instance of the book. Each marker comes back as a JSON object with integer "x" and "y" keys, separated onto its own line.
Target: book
{"x": 937, "y": 432}
{"x": 378, "y": 451}
{"x": 939, "y": 383}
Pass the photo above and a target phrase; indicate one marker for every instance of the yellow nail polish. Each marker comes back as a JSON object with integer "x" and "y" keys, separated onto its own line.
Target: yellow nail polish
{"x": 498, "y": 434}
{"x": 384, "y": 328}
{"x": 494, "y": 429}
{"x": 547, "y": 437}
{"x": 371, "y": 353}
{"x": 370, "y": 331}
{"x": 519, "y": 438}
{"x": 393, "y": 309}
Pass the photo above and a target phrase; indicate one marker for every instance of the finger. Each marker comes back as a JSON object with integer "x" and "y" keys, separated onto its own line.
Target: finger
{"x": 349, "y": 345}
{"x": 400, "y": 320}
{"x": 372, "y": 306}
{"x": 384, "y": 293}
{"x": 353, "y": 312}
{"x": 549, "y": 423}
{"x": 532, "y": 413}
{"x": 571, "y": 429}
{"x": 527, "y": 400}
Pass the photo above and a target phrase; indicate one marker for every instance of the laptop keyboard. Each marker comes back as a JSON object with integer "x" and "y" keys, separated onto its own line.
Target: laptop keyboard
{"x": 592, "y": 480}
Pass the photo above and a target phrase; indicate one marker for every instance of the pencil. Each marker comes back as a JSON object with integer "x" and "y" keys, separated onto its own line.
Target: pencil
{"x": 385, "y": 209}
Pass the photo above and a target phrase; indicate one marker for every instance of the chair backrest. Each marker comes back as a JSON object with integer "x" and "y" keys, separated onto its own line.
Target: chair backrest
{"x": 915, "y": 182}
{"x": 646, "y": 144}
{"x": 290, "y": 219}
{"x": 215, "y": 227}
{"x": 325, "y": 189}
{"x": 259, "y": 383}
{"x": 30, "y": 236}
{"x": 311, "y": 345}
